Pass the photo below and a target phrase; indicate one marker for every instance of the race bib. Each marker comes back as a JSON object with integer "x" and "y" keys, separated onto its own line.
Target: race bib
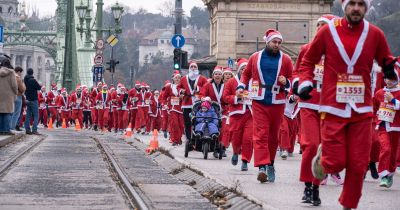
{"x": 255, "y": 88}
{"x": 318, "y": 72}
{"x": 386, "y": 113}
{"x": 174, "y": 101}
{"x": 350, "y": 88}
{"x": 246, "y": 97}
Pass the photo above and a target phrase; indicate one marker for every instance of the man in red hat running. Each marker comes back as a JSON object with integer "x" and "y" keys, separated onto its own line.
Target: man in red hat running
{"x": 350, "y": 45}
{"x": 267, "y": 75}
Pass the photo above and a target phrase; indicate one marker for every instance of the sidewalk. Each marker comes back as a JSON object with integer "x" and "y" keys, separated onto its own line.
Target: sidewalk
{"x": 10, "y": 138}
{"x": 287, "y": 191}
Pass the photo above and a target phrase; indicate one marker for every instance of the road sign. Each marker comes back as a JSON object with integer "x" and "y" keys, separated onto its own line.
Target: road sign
{"x": 98, "y": 59}
{"x": 100, "y": 44}
{"x": 230, "y": 62}
{"x": 178, "y": 41}
{"x": 112, "y": 40}
{"x": 1, "y": 38}
{"x": 98, "y": 74}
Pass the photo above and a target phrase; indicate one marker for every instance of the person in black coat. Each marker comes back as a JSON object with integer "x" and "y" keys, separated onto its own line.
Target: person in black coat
{"x": 32, "y": 106}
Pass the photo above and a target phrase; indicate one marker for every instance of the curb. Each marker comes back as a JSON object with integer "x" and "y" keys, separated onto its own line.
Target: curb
{"x": 9, "y": 139}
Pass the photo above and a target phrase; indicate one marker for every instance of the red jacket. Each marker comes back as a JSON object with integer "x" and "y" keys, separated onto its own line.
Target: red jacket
{"x": 229, "y": 97}
{"x": 42, "y": 100}
{"x": 364, "y": 40}
{"x": 172, "y": 98}
{"x": 387, "y": 109}
{"x": 63, "y": 103}
{"x": 51, "y": 99}
{"x": 253, "y": 73}
{"x": 103, "y": 103}
{"x": 133, "y": 99}
{"x": 155, "y": 106}
{"x": 78, "y": 102}
{"x": 123, "y": 101}
{"x": 190, "y": 94}
{"x": 210, "y": 90}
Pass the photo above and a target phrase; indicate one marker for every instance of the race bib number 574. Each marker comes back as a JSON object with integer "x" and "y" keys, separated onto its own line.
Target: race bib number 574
{"x": 350, "y": 88}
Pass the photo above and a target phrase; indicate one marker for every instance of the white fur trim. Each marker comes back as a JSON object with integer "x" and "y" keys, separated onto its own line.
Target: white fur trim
{"x": 270, "y": 38}
{"x": 304, "y": 84}
{"x": 241, "y": 65}
{"x": 344, "y": 4}
{"x": 323, "y": 19}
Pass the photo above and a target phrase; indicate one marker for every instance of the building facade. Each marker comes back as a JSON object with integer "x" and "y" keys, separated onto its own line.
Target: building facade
{"x": 238, "y": 26}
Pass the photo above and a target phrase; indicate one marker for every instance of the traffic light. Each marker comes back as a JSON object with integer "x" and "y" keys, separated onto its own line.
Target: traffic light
{"x": 177, "y": 59}
{"x": 112, "y": 63}
{"x": 184, "y": 59}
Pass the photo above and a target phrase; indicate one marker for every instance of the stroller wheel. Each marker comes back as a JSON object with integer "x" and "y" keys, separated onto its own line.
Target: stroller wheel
{"x": 187, "y": 146}
{"x": 205, "y": 150}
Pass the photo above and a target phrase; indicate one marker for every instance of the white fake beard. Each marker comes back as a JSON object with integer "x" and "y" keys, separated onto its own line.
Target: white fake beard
{"x": 193, "y": 74}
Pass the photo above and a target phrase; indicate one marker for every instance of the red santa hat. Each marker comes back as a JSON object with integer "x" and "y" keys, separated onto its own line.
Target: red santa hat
{"x": 217, "y": 69}
{"x": 326, "y": 18}
{"x": 167, "y": 82}
{"x": 241, "y": 62}
{"x": 78, "y": 87}
{"x": 156, "y": 91}
{"x": 137, "y": 83}
{"x": 147, "y": 85}
{"x": 104, "y": 86}
{"x": 100, "y": 83}
{"x": 143, "y": 85}
{"x": 175, "y": 74}
{"x": 63, "y": 90}
{"x": 192, "y": 63}
{"x": 346, "y": 2}
{"x": 228, "y": 70}
{"x": 119, "y": 85}
{"x": 122, "y": 87}
{"x": 271, "y": 34}
{"x": 53, "y": 86}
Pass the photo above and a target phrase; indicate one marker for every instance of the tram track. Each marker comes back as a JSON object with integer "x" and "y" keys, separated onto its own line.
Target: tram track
{"x": 129, "y": 190}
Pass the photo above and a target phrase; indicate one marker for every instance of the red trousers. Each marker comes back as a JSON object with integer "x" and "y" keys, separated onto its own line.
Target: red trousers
{"x": 122, "y": 119}
{"x": 65, "y": 115}
{"x": 43, "y": 115}
{"x": 266, "y": 122}
{"x": 115, "y": 121}
{"x": 103, "y": 115}
{"x": 225, "y": 133}
{"x": 148, "y": 123}
{"x": 388, "y": 155}
{"x": 164, "y": 123}
{"x": 347, "y": 145}
{"x": 241, "y": 130}
{"x": 287, "y": 134}
{"x": 53, "y": 113}
{"x": 78, "y": 114}
{"x": 176, "y": 126}
{"x": 155, "y": 122}
{"x": 375, "y": 146}
{"x": 95, "y": 114}
{"x": 133, "y": 114}
{"x": 310, "y": 140}
{"x": 140, "y": 117}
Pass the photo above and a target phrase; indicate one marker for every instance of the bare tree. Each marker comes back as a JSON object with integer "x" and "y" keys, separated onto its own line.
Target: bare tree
{"x": 166, "y": 8}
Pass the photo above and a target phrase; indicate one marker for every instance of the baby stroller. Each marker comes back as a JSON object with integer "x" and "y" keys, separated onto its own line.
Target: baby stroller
{"x": 205, "y": 143}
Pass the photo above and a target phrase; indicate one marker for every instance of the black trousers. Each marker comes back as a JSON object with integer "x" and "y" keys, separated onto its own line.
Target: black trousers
{"x": 188, "y": 123}
{"x": 87, "y": 118}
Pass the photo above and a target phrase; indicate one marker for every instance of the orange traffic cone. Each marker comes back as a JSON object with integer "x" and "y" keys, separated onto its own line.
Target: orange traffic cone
{"x": 128, "y": 132}
{"x": 50, "y": 124}
{"x": 153, "y": 146}
{"x": 64, "y": 124}
{"x": 77, "y": 125}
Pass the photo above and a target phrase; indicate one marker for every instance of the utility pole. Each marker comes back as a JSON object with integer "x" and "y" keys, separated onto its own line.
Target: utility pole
{"x": 131, "y": 77}
{"x": 99, "y": 19}
{"x": 178, "y": 16}
{"x": 70, "y": 74}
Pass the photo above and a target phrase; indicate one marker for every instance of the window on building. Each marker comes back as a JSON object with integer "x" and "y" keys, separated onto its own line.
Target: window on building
{"x": 162, "y": 41}
{"x": 10, "y": 10}
{"x": 1, "y": 10}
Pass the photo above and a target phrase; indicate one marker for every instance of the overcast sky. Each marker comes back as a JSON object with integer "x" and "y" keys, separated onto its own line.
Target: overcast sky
{"x": 48, "y": 7}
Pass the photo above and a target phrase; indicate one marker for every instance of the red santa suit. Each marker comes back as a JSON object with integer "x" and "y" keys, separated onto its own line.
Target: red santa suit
{"x": 133, "y": 106}
{"x": 155, "y": 112}
{"x": 346, "y": 126}
{"x": 164, "y": 109}
{"x": 388, "y": 126}
{"x": 288, "y": 129}
{"x": 240, "y": 120}
{"x": 94, "y": 110}
{"x": 191, "y": 95}
{"x": 42, "y": 107}
{"x": 114, "y": 111}
{"x": 268, "y": 101}
{"x": 77, "y": 105}
{"x": 63, "y": 103}
{"x": 123, "y": 109}
{"x": 174, "y": 102}
{"x": 52, "y": 103}
{"x": 376, "y": 84}
{"x": 103, "y": 101}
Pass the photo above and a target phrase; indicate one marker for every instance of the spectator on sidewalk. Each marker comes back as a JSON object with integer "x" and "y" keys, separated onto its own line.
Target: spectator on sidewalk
{"x": 18, "y": 101}
{"x": 32, "y": 106}
{"x": 9, "y": 90}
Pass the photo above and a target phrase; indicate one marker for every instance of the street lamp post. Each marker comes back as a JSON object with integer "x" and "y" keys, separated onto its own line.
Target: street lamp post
{"x": 83, "y": 11}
